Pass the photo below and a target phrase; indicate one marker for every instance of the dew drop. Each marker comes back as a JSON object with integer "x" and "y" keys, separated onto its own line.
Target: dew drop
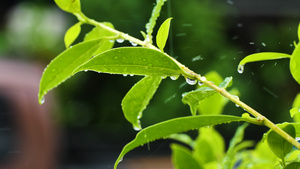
{"x": 163, "y": 77}
{"x": 121, "y": 159}
{"x": 175, "y": 77}
{"x": 203, "y": 78}
{"x": 70, "y": 46}
{"x": 140, "y": 115}
{"x": 133, "y": 43}
{"x": 120, "y": 40}
{"x": 125, "y": 75}
{"x": 183, "y": 94}
{"x": 131, "y": 75}
{"x": 240, "y": 69}
{"x": 190, "y": 81}
{"x": 111, "y": 41}
{"x": 85, "y": 70}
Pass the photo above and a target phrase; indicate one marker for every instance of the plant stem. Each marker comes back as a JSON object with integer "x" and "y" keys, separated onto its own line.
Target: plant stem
{"x": 190, "y": 74}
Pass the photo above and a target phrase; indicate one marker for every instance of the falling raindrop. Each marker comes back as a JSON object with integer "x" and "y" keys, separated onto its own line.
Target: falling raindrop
{"x": 263, "y": 44}
{"x": 240, "y": 69}
{"x": 190, "y": 81}
{"x": 230, "y": 2}
{"x": 175, "y": 77}
{"x": 197, "y": 58}
{"x": 133, "y": 44}
{"x": 120, "y": 40}
{"x": 251, "y": 43}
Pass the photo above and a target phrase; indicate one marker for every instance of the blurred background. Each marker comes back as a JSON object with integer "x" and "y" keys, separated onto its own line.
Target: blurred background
{"x": 82, "y": 124}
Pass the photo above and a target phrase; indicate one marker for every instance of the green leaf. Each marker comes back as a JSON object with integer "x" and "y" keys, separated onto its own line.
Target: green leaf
{"x": 162, "y": 34}
{"x": 97, "y": 33}
{"x": 293, "y": 165}
{"x": 294, "y": 112}
{"x": 176, "y": 125}
{"x": 183, "y": 138}
{"x": 71, "y": 34}
{"x": 62, "y": 67}
{"x": 72, "y": 6}
{"x": 295, "y": 64}
{"x": 154, "y": 15}
{"x": 193, "y": 98}
{"x": 210, "y": 146}
{"x": 133, "y": 60}
{"x": 137, "y": 99}
{"x": 238, "y": 137}
{"x": 278, "y": 144}
{"x": 182, "y": 158}
{"x": 261, "y": 57}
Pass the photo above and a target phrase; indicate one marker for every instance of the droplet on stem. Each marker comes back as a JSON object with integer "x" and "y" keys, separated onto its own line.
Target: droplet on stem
{"x": 175, "y": 77}
{"x": 240, "y": 69}
{"x": 120, "y": 40}
{"x": 190, "y": 81}
{"x": 133, "y": 43}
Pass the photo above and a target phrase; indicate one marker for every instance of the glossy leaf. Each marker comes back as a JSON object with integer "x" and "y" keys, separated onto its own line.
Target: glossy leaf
{"x": 261, "y": 57}
{"x": 62, "y": 67}
{"x": 193, "y": 98}
{"x": 71, "y": 34}
{"x": 100, "y": 33}
{"x": 176, "y": 125}
{"x": 133, "y": 60}
{"x": 295, "y": 111}
{"x": 209, "y": 146}
{"x": 295, "y": 64}
{"x": 182, "y": 158}
{"x": 293, "y": 165}
{"x": 72, "y": 6}
{"x": 162, "y": 34}
{"x": 278, "y": 144}
{"x": 137, "y": 99}
{"x": 229, "y": 159}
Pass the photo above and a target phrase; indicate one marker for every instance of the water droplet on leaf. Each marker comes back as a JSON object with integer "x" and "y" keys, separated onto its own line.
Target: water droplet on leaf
{"x": 137, "y": 127}
{"x": 240, "y": 68}
{"x": 190, "y": 81}
{"x": 200, "y": 83}
{"x": 111, "y": 41}
{"x": 43, "y": 100}
{"x": 124, "y": 75}
{"x": 85, "y": 70}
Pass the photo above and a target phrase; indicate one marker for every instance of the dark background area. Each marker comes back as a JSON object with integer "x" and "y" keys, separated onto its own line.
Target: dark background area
{"x": 205, "y": 35}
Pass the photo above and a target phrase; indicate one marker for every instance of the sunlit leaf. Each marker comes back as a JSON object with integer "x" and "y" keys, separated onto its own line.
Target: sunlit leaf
{"x": 229, "y": 159}
{"x": 278, "y": 144}
{"x": 182, "y": 158}
{"x": 293, "y": 165}
{"x": 261, "y": 57}
{"x": 137, "y": 99}
{"x": 72, "y": 33}
{"x": 209, "y": 146}
{"x": 72, "y": 6}
{"x": 295, "y": 111}
{"x": 295, "y": 64}
{"x": 193, "y": 98}
{"x": 162, "y": 34}
{"x": 176, "y": 125}
{"x": 97, "y": 33}
{"x": 62, "y": 67}
{"x": 133, "y": 60}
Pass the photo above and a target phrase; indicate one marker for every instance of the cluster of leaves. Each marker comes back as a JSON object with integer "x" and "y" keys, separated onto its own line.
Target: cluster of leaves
{"x": 96, "y": 53}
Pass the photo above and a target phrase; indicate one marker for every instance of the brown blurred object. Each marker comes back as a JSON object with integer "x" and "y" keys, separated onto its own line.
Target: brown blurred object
{"x": 148, "y": 163}
{"x": 35, "y": 133}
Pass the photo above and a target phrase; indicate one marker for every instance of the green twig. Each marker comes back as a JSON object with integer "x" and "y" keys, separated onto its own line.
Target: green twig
{"x": 260, "y": 119}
